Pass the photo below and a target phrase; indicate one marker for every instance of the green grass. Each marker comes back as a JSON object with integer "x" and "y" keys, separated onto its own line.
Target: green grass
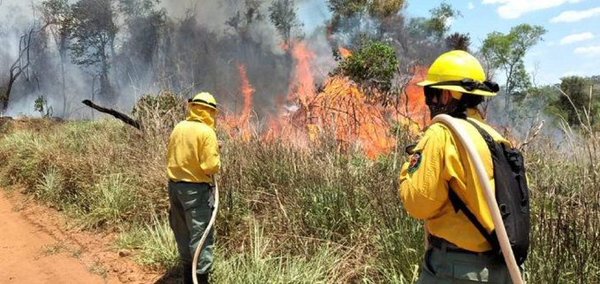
{"x": 49, "y": 187}
{"x": 154, "y": 242}
{"x": 111, "y": 201}
{"x": 290, "y": 215}
{"x": 257, "y": 264}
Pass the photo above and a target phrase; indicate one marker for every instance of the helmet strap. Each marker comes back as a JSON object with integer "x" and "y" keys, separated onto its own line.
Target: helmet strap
{"x": 471, "y": 85}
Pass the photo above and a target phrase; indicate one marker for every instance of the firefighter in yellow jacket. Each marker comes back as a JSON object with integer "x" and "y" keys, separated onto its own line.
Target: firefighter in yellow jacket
{"x": 193, "y": 158}
{"x": 457, "y": 252}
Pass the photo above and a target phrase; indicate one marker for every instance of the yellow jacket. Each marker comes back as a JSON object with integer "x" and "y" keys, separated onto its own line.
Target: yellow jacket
{"x": 193, "y": 154}
{"x": 439, "y": 162}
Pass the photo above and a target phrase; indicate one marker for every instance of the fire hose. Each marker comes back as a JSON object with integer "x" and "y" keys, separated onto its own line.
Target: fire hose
{"x": 206, "y": 232}
{"x": 507, "y": 253}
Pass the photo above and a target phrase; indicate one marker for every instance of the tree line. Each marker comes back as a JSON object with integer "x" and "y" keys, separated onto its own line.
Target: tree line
{"x": 119, "y": 46}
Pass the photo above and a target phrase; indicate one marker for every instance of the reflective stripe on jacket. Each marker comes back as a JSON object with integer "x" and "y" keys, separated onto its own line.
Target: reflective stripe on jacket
{"x": 437, "y": 163}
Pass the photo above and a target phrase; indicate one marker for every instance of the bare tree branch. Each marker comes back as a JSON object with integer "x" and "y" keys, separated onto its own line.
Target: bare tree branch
{"x": 118, "y": 115}
{"x": 18, "y": 67}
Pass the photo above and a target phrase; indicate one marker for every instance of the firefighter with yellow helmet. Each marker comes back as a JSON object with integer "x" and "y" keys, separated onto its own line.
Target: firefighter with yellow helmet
{"x": 438, "y": 168}
{"x": 193, "y": 158}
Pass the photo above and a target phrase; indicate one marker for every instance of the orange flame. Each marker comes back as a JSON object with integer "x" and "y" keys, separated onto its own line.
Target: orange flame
{"x": 248, "y": 92}
{"x": 344, "y": 107}
{"x": 240, "y": 126}
{"x": 413, "y": 104}
{"x": 341, "y": 109}
{"x": 305, "y": 86}
{"x": 345, "y": 53}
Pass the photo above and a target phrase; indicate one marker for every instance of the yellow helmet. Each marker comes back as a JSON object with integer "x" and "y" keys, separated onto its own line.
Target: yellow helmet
{"x": 459, "y": 71}
{"x": 205, "y": 99}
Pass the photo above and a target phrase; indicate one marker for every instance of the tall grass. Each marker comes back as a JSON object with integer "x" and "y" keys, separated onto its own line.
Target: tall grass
{"x": 155, "y": 242}
{"x": 257, "y": 264}
{"x": 293, "y": 215}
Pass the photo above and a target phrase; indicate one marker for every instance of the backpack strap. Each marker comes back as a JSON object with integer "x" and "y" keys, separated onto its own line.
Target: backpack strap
{"x": 486, "y": 136}
{"x": 459, "y": 205}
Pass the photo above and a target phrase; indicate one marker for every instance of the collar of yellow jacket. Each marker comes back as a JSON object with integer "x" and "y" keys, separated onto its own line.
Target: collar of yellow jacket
{"x": 206, "y": 115}
{"x": 474, "y": 114}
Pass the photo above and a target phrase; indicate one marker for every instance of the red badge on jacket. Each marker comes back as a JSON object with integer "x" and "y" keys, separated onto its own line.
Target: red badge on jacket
{"x": 415, "y": 162}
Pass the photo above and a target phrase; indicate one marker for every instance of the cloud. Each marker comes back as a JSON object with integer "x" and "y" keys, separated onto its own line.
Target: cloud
{"x": 575, "y": 16}
{"x": 471, "y": 6}
{"x": 513, "y": 9}
{"x": 588, "y": 50}
{"x": 576, "y": 38}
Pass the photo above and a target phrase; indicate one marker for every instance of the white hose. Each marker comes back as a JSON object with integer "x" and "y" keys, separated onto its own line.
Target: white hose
{"x": 206, "y": 232}
{"x": 457, "y": 128}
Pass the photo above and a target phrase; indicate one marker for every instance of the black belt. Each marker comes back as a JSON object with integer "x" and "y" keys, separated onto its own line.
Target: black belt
{"x": 442, "y": 244}
{"x": 188, "y": 182}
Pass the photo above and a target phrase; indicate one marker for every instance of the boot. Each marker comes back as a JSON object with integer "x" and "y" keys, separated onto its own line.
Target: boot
{"x": 203, "y": 279}
{"x": 187, "y": 274}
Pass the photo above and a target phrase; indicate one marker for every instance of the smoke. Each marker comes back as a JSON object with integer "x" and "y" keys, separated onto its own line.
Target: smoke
{"x": 214, "y": 15}
{"x": 184, "y": 46}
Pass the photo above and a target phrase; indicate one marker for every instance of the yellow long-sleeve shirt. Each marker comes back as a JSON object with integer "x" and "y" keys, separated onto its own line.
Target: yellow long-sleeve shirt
{"x": 439, "y": 162}
{"x": 193, "y": 154}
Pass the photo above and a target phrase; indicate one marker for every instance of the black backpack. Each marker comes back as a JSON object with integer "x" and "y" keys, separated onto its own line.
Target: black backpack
{"x": 512, "y": 196}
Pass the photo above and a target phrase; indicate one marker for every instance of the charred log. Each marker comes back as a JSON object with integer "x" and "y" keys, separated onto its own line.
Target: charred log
{"x": 118, "y": 115}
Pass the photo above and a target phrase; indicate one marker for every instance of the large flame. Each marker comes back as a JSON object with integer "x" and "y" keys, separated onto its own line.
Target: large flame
{"x": 248, "y": 92}
{"x": 413, "y": 104}
{"x": 303, "y": 88}
{"x": 343, "y": 108}
{"x": 240, "y": 126}
{"x": 340, "y": 111}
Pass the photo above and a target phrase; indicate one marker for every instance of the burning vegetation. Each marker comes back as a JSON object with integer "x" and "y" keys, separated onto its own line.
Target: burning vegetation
{"x": 339, "y": 109}
{"x": 311, "y": 120}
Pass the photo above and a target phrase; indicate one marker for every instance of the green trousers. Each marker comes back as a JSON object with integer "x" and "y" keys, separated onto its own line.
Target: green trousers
{"x": 443, "y": 266}
{"x": 191, "y": 209}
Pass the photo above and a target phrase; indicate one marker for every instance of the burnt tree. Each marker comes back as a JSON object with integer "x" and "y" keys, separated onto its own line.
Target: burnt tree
{"x": 17, "y": 68}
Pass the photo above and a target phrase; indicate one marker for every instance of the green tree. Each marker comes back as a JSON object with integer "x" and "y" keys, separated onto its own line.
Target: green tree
{"x": 283, "y": 15}
{"x": 136, "y": 8}
{"x": 93, "y": 35}
{"x": 382, "y": 9}
{"x": 143, "y": 28}
{"x": 577, "y": 100}
{"x": 347, "y": 14}
{"x": 374, "y": 8}
{"x": 373, "y": 66}
{"x": 507, "y": 52}
{"x": 436, "y": 26}
{"x": 243, "y": 20}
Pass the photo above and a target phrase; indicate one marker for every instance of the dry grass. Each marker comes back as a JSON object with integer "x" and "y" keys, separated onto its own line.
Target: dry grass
{"x": 293, "y": 216}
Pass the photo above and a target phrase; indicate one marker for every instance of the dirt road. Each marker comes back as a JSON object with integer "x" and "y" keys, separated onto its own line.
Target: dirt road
{"x": 35, "y": 247}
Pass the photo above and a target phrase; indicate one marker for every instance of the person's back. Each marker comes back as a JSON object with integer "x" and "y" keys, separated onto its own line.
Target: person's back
{"x": 443, "y": 166}
{"x": 439, "y": 173}
{"x": 192, "y": 157}
{"x": 192, "y": 160}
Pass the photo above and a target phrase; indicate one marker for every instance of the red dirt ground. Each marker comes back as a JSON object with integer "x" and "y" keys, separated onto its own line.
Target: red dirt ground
{"x": 36, "y": 246}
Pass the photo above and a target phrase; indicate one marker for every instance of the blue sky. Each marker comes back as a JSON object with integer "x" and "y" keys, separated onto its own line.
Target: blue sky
{"x": 571, "y": 45}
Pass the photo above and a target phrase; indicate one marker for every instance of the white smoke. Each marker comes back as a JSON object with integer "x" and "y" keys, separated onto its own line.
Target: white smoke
{"x": 268, "y": 75}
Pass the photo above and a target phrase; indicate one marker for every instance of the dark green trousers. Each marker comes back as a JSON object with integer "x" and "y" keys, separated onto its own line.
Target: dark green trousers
{"x": 191, "y": 209}
{"x": 443, "y": 266}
